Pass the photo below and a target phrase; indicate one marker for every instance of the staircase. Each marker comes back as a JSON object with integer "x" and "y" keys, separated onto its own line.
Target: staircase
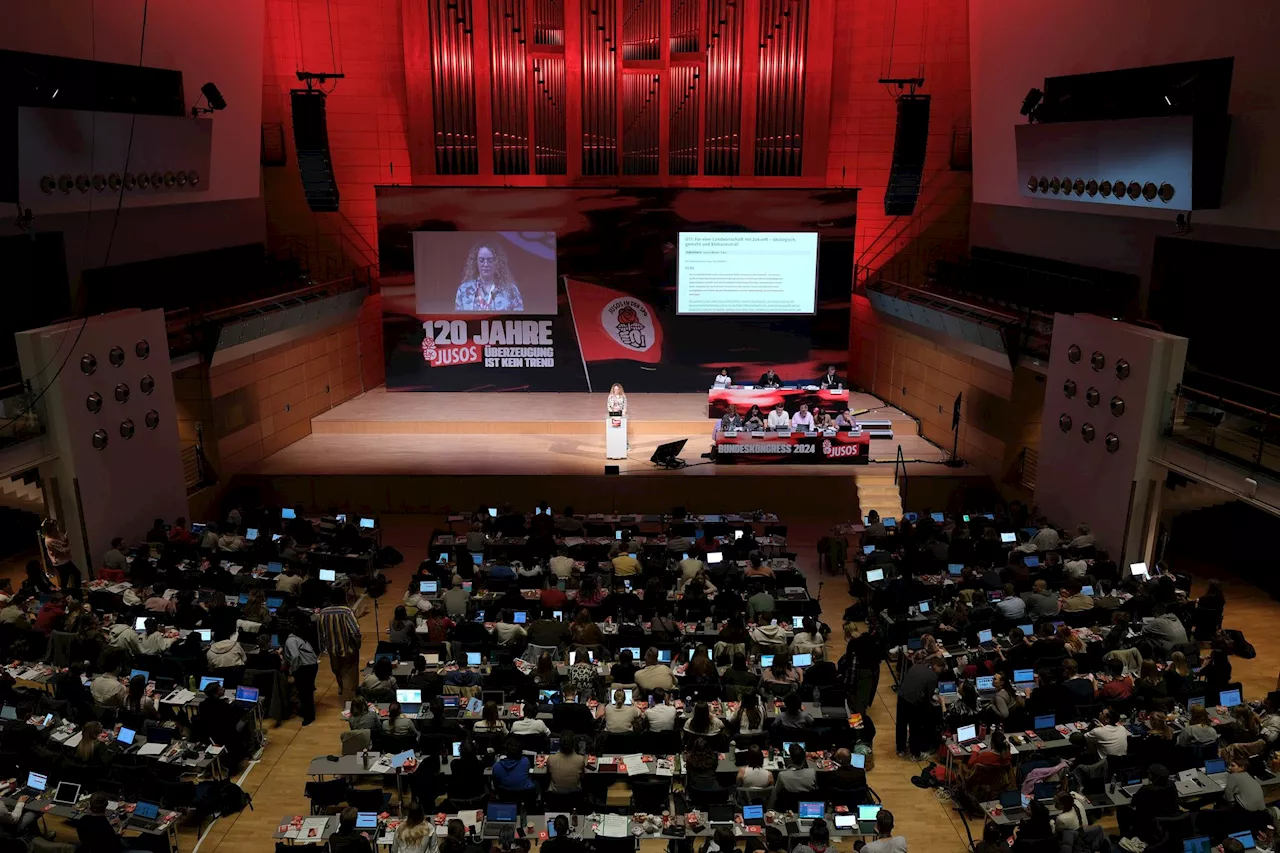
{"x": 1188, "y": 496}
{"x": 877, "y": 490}
{"x": 17, "y": 494}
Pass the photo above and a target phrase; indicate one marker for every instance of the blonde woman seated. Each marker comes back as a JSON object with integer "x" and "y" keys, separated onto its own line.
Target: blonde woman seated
{"x": 620, "y": 718}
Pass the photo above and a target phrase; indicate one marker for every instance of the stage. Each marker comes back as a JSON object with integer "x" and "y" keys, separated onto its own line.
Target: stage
{"x": 414, "y": 452}
{"x": 381, "y": 433}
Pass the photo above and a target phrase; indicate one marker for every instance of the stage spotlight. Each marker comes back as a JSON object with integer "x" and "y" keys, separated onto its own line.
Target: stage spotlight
{"x": 1030, "y": 102}
{"x": 212, "y": 97}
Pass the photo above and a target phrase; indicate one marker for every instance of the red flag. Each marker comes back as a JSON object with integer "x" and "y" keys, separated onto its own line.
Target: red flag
{"x": 613, "y": 325}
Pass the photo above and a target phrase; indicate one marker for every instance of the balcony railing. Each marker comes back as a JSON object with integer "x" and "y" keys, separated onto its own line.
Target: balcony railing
{"x": 1247, "y": 434}
{"x": 1025, "y": 331}
{"x": 19, "y": 418}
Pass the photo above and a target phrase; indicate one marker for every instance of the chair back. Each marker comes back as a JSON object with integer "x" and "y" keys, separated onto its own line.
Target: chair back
{"x": 355, "y": 740}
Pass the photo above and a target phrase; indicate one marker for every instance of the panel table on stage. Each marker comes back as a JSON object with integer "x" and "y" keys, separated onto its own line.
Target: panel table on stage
{"x": 742, "y": 398}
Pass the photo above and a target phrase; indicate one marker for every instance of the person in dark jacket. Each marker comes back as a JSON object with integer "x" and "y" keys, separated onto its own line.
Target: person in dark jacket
{"x": 348, "y": 839}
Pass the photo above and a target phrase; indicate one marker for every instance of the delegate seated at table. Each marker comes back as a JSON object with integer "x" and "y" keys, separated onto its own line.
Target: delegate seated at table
{"x": 830, "y": 379}
{"x": 730, "y": 420}
{"x": 778, "y": 418}
{"x": 769, "y": 379}
{"x": 722, "y": 379}
{"x": 803, "y": 419}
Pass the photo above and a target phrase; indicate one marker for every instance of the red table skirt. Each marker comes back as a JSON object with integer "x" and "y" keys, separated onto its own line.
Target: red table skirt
{"x": 842, "y": 448}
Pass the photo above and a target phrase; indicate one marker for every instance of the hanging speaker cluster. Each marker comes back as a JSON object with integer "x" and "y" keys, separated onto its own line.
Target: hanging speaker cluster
{"x": 181, "y": 179}
{"x": 1118, "y": 190}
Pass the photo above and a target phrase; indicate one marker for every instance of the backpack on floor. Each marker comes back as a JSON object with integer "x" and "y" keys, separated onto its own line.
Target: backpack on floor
{"x": 1233, "y": 642}
{"x": 221, "y": 798}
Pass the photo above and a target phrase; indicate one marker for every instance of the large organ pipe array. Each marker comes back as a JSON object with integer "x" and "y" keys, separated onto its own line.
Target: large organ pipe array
{"x": 683, "y": 133}
{"x": 510, "y": 101}
{"x": 780, "y": 97}
{"x": 550, "y": 155}
{"x": 453, "y": 85}
{"x": 641, "y": 104}
{"x": 599, "y": 88}
{"x": 723, "y": 102}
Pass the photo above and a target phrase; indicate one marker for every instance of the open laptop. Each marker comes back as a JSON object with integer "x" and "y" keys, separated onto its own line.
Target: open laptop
{"x": 1216, "y": 769}
{"x": 801, "y": 661}
{"x": 68, "y": 793}
{"x": 273, "y": 603}
{"x": 1044, "y": 726}
{"x": 1229, "y": 698}
{"x": 1199, "y": 844}
{"x": 966, "y": 735}
{"x": 1013, "y": 805}
{"x": 986, "y": 640}
{"x": 766, "y": 661}
{"x": 753, "y": 815}
{"x": 1031, "y": 562}
{"x": 720, "y": 814}
{"x": 875, "y": 575}
{"x": 246, "y": 695}
{"x": 787, "y": 744}
{"x": 497, "y": 816}
{"x": 664, "y": 656}
{"x": 1132, "y": 782}
{"x": 145, "y": 816}
{"x": 410, "y": 702}
{"x": 428, "y": 587}
{"x": 368, "y": 524}
{"x": 275, "y": 567}
{"x": 985, "y": 684}
{"x": 451, "y": 705}
{"x": 1008, "y": 538}
{"x": 126, "y": 736}
{"x": 955, "y": 569}
{"x": 1046, "y": 791}
{"x": 37, "y": 784}
{"x": 948, "y": 690}
{"x": 473, "y": 658}
{"x": 8, "y": 712}
{"x": 924, "y": 606}
{"x": 847, "y": 822}
{"x": 366, "y": 820}
{"x": 1245, "y": 838}
{"x": 1027, "y": 630}
{"x": 521, "y": 617}
{"x": 1024, "y": 679}
{"x": 867, "y": 550}
{"x": 210, "y": 679}
{"x": 134, "y": 673}
{"x": 812, "y": 810}
{"x": 328, "y": 575}
{"x": 867, "y": 814}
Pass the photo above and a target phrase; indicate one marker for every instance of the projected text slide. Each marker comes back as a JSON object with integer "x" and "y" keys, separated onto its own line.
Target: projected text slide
{"x": 747, "y": 273}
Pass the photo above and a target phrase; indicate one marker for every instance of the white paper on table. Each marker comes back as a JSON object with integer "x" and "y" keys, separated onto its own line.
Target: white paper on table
{"x": 74, "y": 740}
{"x": 635, "y": 764}
{"x": 182, "y": 697}
{"x": 570, "y": 541}
{"x": 614, "y": 826}
{"x": 117, "y": 588}
{"x": 152, "y": 748}
{"x": 235, "y": 570}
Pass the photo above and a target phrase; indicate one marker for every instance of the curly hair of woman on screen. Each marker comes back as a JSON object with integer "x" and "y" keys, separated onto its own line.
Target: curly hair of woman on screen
{"x": 487, "y": 284}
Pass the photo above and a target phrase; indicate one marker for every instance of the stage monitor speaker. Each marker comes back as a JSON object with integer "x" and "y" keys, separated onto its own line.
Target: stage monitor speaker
{"x": 311, "y": 139}
{"x": 612, "y": 470}
{"x": 909, "y": 143}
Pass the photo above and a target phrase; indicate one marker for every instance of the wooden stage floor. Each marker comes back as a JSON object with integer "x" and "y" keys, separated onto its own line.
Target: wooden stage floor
{"x": 381, "y": 433}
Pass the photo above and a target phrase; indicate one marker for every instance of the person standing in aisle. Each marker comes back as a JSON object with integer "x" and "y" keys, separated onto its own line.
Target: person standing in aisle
{"x": 303, "y": 667}
{"x": 340, "y": 638}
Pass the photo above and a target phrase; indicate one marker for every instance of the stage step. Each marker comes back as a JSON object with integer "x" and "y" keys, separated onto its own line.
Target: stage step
{"x": 877, "y": 491}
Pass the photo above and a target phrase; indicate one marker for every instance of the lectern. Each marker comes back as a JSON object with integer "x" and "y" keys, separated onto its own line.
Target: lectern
{"x": 615, "y": 436}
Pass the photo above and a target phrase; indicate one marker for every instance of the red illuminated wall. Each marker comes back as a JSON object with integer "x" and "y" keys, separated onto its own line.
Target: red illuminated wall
{"x": 375, "y": 119}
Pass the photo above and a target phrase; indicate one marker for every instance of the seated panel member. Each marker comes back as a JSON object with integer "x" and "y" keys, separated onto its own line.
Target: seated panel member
{"x": 769, "y": 379}
{"x": 830, "y": 380}
{"x": 778, "y": 418}
{"x": 825, "y": 421}
{"x": 722, "y": 379}
{"x": 803, "y": 419}
{"x": 754, "y": 419}
{"x": 846, "y": 420}
{"x": 730, "y": 420}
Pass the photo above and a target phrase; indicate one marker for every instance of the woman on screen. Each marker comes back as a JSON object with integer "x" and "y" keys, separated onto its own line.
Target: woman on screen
{"x": 486, "y": 282}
